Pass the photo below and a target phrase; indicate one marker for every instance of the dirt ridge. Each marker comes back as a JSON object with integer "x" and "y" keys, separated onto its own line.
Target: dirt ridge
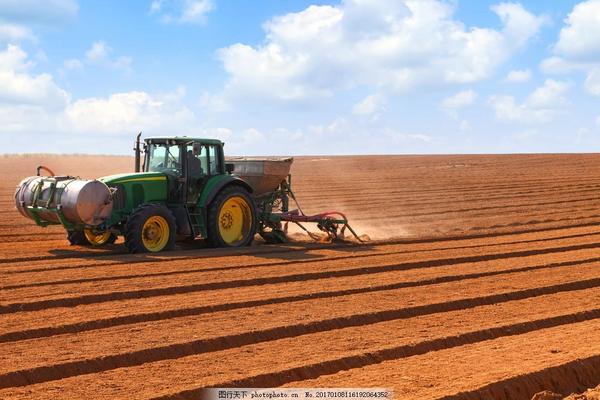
{"x": 168, "y": 314}
{"x": 263, "y": 264}
{"x": 330, "y": 367}
{"x": 572, "y": 377}
{"x": 88, "y": 366}
{"x": 123, "y": 295}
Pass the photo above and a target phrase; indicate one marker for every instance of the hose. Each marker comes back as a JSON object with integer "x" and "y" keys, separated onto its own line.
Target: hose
{"x": 45, "y": 169}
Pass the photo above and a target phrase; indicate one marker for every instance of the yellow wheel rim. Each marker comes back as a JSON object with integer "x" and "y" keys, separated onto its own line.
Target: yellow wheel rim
{"x": 96, "y": 239}
{"x": 235, "y": 220}
{"x": 155, "y": 233}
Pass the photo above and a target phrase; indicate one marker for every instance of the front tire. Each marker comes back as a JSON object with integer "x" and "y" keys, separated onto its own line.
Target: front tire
{"x": 150, "y": 228}
{"x": 231, "y": 218}
{"x": 87, "y": 237}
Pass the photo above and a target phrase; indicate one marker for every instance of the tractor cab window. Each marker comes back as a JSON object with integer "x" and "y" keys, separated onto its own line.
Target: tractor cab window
{"x": 196, "y": 160}
{"x": 162, "y": 157}
{"x": 213, "y": 157}
{"x": 203, "y": 159}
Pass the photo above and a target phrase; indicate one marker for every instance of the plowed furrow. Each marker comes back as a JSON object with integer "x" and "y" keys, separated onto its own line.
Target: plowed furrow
{"x": 93, "y": 316}
{"x": 461, "y": 369}
{"x": 183, "y": 312}
{"x": 77, "y": 299}
{"x": 428, "y": 201}
{"x": 448, "y": 213}
{"x": 442, "y": 186}
{"x": 329, "y": 367}
{"x": 112, "y": 272}
{"x": 449, "y": 208}
{"x": 85, "y": 256}
{"x": 397, "y": 339}
{"x": 290, "y": 255}
{"x": 529, "y": 223}
{"x": 571, "y": 377}
{"x": 534, "y": 218}
{"x": 457, "y": 193}
{"x": 481, "y": 280}
{"x": 424, "y": 208}
{"x": 276, "y": 322}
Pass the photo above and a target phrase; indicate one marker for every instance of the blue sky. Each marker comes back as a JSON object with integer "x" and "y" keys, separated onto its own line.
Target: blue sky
{"x": 302, "y": 77}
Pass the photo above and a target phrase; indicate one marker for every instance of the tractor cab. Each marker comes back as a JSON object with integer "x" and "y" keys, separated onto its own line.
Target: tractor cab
{"x": 188, "y": 164}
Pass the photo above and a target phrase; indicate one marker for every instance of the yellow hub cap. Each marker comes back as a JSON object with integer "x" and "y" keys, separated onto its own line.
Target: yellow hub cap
{"x": 96, "y": 239}
{"x": 235, "y": 220}
{"x": 155, "y": 233}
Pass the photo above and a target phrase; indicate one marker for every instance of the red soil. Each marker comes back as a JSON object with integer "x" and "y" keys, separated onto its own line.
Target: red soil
{"x": 481, "y": 281}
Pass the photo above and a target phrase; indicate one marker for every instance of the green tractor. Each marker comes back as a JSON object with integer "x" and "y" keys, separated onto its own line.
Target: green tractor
{"x": 183, "y": 189}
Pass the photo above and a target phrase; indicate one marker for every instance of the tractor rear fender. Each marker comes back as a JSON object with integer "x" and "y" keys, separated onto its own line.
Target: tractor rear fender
{"x": 214, "y": 185}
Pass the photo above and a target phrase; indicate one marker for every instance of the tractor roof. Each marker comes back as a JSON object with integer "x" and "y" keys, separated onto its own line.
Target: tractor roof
{"x": 184, "y": 139}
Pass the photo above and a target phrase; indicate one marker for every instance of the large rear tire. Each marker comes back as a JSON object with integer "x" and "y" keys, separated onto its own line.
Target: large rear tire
{"x": 150, "y": 228}
{"x": 231, "y": 218}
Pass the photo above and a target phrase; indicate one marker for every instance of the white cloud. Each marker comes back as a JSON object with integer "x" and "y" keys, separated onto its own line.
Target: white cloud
{"x": 34, "y": 103}
{"x": 559, "y": 65}
{"x": 518, "y": 76}
{"x": 421, "y": 137}
{"x": 373, "y": 105}
{"x": 460, "y": 99}
{"x": 126, "y": 112}
{"x": 217, "y": 133}
{"x": 72, "y": 64}
{"x": 182, "y": 11}
{"x": 549, "y": 95}
{"x": 453, "y": 103}
{"x": 542, "y": 105}
{"x": 47, "y": 12}
{"x": 402, "y": 138}
{"x": 28, "y": 101}
{"x": 578, "y": 46}
{"x": 16, "y": 119}
{"x": 156, "y": 5}
{"x": 195, "y": 11}
{"x": 592, "y": 82}
{"x": 402, "y": 45}
{"x": 337, "y": 126}
{"x": 99, "y": 54}
{"x": 579, "y": 39}
{"x": 519, "y": 24}
{"x": 252, "y": 135}
{"x": 14, "y": 33}
{"x": 18, "y": 18}
{"x": 20, "y": 87}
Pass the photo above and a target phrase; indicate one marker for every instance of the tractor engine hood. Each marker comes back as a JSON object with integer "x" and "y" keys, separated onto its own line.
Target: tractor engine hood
{"x": 133, "y": 189}
{"x": 135, "y": 177}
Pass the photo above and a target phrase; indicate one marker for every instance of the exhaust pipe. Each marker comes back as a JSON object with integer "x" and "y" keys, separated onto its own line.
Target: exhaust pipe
{"x": 137, "y": 152}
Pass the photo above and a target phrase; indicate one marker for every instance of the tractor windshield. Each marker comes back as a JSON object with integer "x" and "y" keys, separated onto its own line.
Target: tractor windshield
{"x": 163, "y": 157}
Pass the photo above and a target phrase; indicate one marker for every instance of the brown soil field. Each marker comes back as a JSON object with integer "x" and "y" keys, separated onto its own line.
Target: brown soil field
{"x": 481, "y": 281}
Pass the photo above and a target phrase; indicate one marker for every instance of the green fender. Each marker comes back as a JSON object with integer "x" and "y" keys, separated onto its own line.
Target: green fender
{"x": 212, "y": 187}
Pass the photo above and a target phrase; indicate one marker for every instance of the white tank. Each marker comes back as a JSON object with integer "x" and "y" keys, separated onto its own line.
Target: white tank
{"x": 81, "y": 201}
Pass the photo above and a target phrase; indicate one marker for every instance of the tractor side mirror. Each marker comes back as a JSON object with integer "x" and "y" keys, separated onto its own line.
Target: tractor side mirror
{"x": 230, "y": 168}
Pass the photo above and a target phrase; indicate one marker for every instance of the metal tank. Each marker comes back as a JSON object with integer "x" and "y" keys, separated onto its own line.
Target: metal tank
{"x": 79, "y": 201}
